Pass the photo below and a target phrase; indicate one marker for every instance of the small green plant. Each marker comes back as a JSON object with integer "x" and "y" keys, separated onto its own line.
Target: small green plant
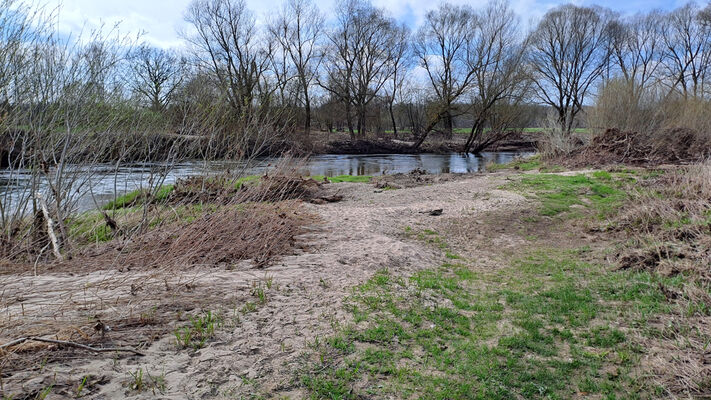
{"x": 140, "y": 382}
{"x": 343, "y": 178}
{"x": 199, "y": 331}
{"x": 452, "y": 256}
{"x": 259, "y": 293}
{"x": 82, "y": 385}
{"x": 136, "y": 382}
{"x": 249, "y": 307}
{"x": 45, "y": 392}
{"x": 157, "y": 382}
{"x": 269, "y": 281}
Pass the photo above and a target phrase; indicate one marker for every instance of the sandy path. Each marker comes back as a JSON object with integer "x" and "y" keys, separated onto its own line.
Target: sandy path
{"x": 257, "y": 352}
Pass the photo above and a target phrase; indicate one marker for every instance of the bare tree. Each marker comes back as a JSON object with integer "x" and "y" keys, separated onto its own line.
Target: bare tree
{"x": 499, "y": 75}
{"x": 157, "y": 74}
{"x": 636, "y": 46}
{"x": 400, "y": 66}
{"x": 360, "y": 57}
{"x": 225, "y": 43}
{"x": 298, "y": 29}
{"x": 686, "y": 57}
{"x": 569, "y": 54}
{"x": 443, "y": 47}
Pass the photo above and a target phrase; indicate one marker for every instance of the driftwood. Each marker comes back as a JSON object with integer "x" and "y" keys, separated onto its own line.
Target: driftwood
{"x": 71, "y": 344}
{"x": 50, "y": 227}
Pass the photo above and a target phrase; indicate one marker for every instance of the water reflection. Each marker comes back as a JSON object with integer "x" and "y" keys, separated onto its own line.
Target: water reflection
{"x": 379, "y": 164}
{"x": 104, "y": 180}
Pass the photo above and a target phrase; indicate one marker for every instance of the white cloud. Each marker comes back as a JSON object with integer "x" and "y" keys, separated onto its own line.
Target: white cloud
{"x": 161, "y": 19}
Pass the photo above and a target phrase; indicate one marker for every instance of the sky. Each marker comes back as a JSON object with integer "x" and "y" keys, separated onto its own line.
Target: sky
{"x": 160, "y": 20}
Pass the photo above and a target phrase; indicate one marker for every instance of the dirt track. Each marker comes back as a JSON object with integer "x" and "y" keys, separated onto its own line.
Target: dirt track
{"x": 258, "y": 352}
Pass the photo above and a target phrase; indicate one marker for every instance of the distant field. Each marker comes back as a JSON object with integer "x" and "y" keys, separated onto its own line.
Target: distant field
{"x": 466, "y": 131}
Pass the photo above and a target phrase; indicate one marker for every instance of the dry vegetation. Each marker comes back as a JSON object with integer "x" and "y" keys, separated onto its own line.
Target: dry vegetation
{"x": 668, "y": 223}
{"x": 129, "y": 290}
{"x": 669, "y": 146}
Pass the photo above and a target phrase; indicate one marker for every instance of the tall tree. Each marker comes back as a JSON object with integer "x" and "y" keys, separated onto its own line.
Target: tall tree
{"x": 298, "y": 29}
{"x": 443, "y": 47}
{"x": 687, "y": 50}
{"x": 157, "y": 75}
{"x": 636, "y": 47}
{"x": 225, "y": 42}
{"x": 499, "y": 75}
{"x": 362, "y": 48}
{"x": 400, "y": 65}
{"x": 569, "y": 54}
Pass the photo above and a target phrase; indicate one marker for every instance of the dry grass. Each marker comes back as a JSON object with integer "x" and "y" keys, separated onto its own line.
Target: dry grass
{"x": 143, "y": 287}
{"x": 229, "y": 234}
{"x": 145, "y": 284}
{"x": 670, "y": 224}
{"x": 669, "y": 146}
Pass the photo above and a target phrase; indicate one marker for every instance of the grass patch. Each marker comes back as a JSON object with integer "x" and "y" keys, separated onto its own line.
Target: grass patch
{"x": 344, "y": 178}
{"x": 521, "y": 164}
{"x": 602, "y": 191}
{"x": 199, "y": 331}
{"x": 543, "y": 328}
{"x": 137, "y": 197}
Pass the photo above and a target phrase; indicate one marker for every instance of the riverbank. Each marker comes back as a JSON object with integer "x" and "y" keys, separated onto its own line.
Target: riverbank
{"x": 164, "y": 146}
{"x": 499, "y": 285}
{"x": 340, "y": 143}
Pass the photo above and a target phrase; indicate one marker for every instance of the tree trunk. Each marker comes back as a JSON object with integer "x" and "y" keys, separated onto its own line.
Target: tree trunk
{"x": 392, "y": 119}
{"x": 307, "y": 106}
{"x": 361, "y": 124}
{"x": 428, "y": 128}
{"x": 474, "y": 135}
{"x": 349, "y": 121}
{"x": 448, "y": 125}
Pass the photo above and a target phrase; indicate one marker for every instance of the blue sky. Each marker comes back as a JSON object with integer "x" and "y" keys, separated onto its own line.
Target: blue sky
{"x": 162, "y": 19}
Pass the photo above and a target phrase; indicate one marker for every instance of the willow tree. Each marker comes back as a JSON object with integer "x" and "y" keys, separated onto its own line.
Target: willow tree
{"x": 298, "y": 28}
{"x": 226, "y": 43}
{"x": 443, "y": 47}
{"x": 500, "y": 80}
{"x": 569, "y": 53}
{"x": 359, "y": 59}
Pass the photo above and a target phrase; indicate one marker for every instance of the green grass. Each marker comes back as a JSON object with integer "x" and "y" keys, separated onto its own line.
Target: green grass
{"x": 134, "y": 198}
{"x": 521, "y": 164}
{"x": 344, "y": 178}
{"x": 90, "y": 226}
{"x": 601, "y": 191}
{"x": 199, "y": 331}
{"x": 546, "y": 327}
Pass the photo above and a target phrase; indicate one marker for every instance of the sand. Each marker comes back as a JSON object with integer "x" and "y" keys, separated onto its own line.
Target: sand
{"x": 254, "y": 352}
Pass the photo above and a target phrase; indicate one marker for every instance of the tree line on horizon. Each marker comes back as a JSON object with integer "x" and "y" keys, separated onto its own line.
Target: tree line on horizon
{"x": 361, "y": 71}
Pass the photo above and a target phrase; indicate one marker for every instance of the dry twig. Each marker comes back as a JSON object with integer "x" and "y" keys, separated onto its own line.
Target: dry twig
{"x": 71, "y": 344}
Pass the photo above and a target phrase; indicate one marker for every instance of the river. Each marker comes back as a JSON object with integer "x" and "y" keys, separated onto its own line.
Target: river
{"x": 104, "y": 180}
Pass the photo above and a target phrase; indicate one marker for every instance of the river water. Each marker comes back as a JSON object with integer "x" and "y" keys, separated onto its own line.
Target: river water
{"x": 99, "y": 184}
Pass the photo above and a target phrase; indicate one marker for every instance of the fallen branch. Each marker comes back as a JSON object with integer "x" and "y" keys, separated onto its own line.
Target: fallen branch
{"x": 71, "y": 344}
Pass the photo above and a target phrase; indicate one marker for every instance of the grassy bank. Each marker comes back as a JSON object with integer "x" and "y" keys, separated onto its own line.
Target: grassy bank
{"x": 558, "y": 319}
